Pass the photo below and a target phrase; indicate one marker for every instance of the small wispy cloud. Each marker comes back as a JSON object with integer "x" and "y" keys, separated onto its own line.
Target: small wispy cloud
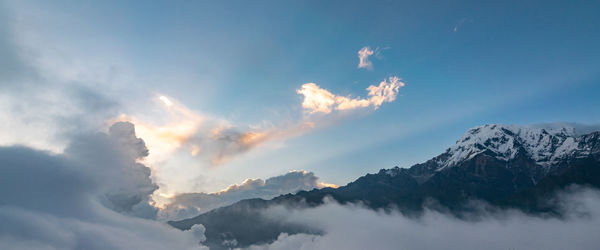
{"x": 460, "y": 23}
{"x": 319, "y": 100}
{"x": 363, "y": 58}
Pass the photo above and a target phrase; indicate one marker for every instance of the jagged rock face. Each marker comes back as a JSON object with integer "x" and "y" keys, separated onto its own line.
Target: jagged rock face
{"x": 531, "y": 151}
{"x": 547, "y": 146}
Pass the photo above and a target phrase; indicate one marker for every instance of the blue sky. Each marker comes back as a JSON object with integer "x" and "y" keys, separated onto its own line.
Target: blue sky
{"x": 464, "y": 63}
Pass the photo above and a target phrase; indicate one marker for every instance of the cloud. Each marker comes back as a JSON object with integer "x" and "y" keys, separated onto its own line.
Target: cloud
{"x": 318, "y": 100}
{"x": 188, "y": 205}
{"x": 198, "y": 231}
{"x": 232, "y": 142}
{"x": 385, "y": 92}
{"x": 345, "y": 103}
{"x": 500, "y": 230}
{"x": 201, "y": 135}
{"x": 460, "y": 23}
{"x": 94, "y": 196}
{"x": 39, "y": 105}
{"x": 124, "y": 184}
{"x": 181, "y": 133}
{"x": 178, "y": 136}
{"x": 363, "y": 58}
{"x": 53, "y": 91}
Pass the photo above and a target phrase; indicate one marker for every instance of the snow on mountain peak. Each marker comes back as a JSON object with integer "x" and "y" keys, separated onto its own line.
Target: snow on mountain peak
{"x": 544, "y": 143}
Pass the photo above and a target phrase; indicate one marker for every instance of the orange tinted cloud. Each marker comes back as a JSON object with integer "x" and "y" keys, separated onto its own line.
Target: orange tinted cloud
{"x": 321, "y": 100}
{"x": 203, "y": 137}
{"x": 217, "y": 141}
{"x": 385, "y": 92}
{"x": 316, "y": 99}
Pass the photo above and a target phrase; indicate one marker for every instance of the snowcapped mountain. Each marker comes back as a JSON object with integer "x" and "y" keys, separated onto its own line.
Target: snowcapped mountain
{"x": 531, "y": 152}
{"x": 504, "y": 165}
{"x": 546, "y": 145}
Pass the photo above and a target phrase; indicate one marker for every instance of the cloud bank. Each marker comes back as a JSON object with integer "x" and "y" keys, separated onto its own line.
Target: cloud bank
{"x": 319, "y": 100}
{"x": 94, "y": 196}
{"x": 188, "y": 205}
{"x": 354, "y": 227}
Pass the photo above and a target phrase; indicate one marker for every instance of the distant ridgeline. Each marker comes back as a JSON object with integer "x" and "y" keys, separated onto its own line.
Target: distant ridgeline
{"x": 506, "y": 166}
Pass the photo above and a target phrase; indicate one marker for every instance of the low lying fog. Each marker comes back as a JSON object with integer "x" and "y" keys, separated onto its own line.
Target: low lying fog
{"x": 354, "y": 227}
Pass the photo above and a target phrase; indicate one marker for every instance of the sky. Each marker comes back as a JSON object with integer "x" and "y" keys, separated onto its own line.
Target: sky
{"x": 224, "y": 92}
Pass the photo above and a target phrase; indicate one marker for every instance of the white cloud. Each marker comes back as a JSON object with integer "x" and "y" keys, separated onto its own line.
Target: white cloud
{"x": 94, "y": 196}
{"x": 363, "y": 58}
{"x": 29, "y": 229}
{"x": 346, "y": 103}
{"x": 318, "y": 100}
{"x": 385, "y": 92}
{"x": 198, "y": 231}
{"x": 185, "y": 137}
{"x": 495, "y": 231}
{"x": 188, "y": 205}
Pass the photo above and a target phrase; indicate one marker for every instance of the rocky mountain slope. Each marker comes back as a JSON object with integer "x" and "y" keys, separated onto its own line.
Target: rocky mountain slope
{"x": 503, "y": 165}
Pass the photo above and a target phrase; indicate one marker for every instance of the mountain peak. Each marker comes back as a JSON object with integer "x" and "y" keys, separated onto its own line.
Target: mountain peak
{"x": 544, "y": 143}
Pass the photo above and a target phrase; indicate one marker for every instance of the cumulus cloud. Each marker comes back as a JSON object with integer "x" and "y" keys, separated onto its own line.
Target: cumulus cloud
{"x": 316, "y": 99}
{"x": 198, "y": 232}
{"x": 499, "y": 230}
{"x": 363, "y": 58}
{"x": 94, "y": 196}
{"x": 319, "y": 100}
{"x": 124, "y": 184}
{"x": 386, "y": 91}
{"x": 188, "y": 205}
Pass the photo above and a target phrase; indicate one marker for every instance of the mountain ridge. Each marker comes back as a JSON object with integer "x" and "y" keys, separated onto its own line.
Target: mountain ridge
{"x": 507, "y": 166}
{"x": 545, "y": 145}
